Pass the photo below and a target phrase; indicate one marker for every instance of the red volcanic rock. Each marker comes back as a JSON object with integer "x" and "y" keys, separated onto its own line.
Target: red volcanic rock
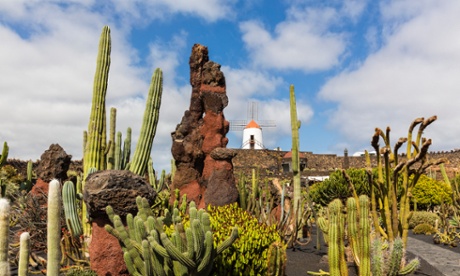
{"x": 204, "y": 177}
{"x": 106, "y": 256}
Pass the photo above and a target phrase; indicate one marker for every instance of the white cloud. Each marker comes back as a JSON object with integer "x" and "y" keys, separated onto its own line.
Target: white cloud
{"x": 414, "y": 74}
{"x": 302, "y": 42}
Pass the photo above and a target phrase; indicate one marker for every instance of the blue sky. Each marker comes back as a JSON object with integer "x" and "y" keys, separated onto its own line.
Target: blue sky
{"x": 355, "y": 65}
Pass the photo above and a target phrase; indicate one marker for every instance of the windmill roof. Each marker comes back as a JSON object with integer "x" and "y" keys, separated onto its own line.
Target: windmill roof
{"x": 252, "y": 124}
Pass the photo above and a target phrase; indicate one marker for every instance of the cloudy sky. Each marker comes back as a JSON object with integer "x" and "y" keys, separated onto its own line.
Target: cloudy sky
{"x": 355, "y": 65}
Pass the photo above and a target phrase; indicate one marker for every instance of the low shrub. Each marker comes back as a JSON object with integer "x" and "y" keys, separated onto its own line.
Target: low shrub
{"x": 337, "y": 187}
{"x": 424, "y": 228}
{"x": 429, "y": 192}
{"x": 423, "y": 217}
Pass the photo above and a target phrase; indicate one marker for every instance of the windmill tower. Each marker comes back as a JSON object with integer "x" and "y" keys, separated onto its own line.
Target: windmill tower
{"x": 252, "y": 131}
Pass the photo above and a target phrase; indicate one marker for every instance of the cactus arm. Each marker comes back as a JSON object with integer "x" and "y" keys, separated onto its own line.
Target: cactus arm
{"x": 126, "y": 150}
{"x": 54, "y": 228}
{"x": 112, "y": 131}
{"x": 149, "y": 125}
{"x": 118, "y": 152}
{"x": 70, "y": 209}
{"x": 175, "y": 253}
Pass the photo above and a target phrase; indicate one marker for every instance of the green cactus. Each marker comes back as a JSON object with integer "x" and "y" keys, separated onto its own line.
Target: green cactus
{"x": 337, "y": 262}
{"x": 95, "y": 139}
{"x": 24, "y": 250}
{"x": 54, "y": 228}
{"x": 296, "y": 173}
{"x": 4, "y": 155}
{"x": 111, "y": 146}
{"x": 70, "y": 209}
{"x": 384, "y": 188}
{"x": 95, "y": 146}
{"x": 149, "y": 125}
{"x": 126, "y": 150}
{"x": 27, "y": 184}
{"x": 4, "y": 229}
{"x": 118, "y": 152}
{"x": 276, "y": 259}
{"x": 149, "y": 250}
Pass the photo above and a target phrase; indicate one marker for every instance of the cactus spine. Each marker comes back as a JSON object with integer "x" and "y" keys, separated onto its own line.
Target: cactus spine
{"x": 4, "y": 229}
{"x": 70, "y": 209}
{"x": 149, "y": 125}
{"x": 24, "y": 250}
{"x": 295, "y": 125}
{"x": 54, "y": 228}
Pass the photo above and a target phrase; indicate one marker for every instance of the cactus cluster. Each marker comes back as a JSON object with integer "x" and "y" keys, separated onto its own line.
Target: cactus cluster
{"x": 372, "y": 257}
{"x": 149, "y": 250}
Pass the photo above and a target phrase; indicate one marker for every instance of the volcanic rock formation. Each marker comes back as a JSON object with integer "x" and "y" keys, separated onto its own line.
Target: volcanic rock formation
{"x": 204, "y": 164}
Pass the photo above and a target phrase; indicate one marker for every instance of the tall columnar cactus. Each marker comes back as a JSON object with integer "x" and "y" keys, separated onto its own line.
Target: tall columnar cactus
{"x": 4, "y": 229}
{"x": 69, "y": 200}
{"x": 359, "y": 232}
{"x": 96, "y": 143}
{"x": 149, "y": 125}
{"x": 148, "y": 250}
{"x": 95, "y": 139}
{"x": 24, "y": 250}
{"x": 336, "y": 252}
{"x": 296, "y": 174}
{"x": 54, "y": 228}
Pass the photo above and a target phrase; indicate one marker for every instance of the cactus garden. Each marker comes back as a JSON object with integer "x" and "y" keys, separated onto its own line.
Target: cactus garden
{"x": 114, "y": 214}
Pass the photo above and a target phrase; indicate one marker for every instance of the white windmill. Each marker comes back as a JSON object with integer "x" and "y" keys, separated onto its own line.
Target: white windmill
{"x": 252, "y": 128}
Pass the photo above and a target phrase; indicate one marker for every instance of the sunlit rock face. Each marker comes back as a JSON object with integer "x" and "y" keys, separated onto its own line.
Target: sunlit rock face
{"x": 204, "y": 165}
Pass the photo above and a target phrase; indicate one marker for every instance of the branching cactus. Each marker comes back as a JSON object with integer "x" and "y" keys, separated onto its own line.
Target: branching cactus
{"x": 54, "y": 228}
{"x": 4, "y": 229}
{"x": 389, "y": 169}
{"x": 149, "y": 250}
{"x": 388, "y": 259}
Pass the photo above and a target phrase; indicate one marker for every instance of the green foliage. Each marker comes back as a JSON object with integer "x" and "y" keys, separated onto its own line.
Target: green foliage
{"x": 424, "y": 228}
{"x": 423, "y": 217}
{"x": 248, "y": 255}
{"x": 10, "y": 181}
{"x": 336, "y": 186}
{"x": 429, "y": 192}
